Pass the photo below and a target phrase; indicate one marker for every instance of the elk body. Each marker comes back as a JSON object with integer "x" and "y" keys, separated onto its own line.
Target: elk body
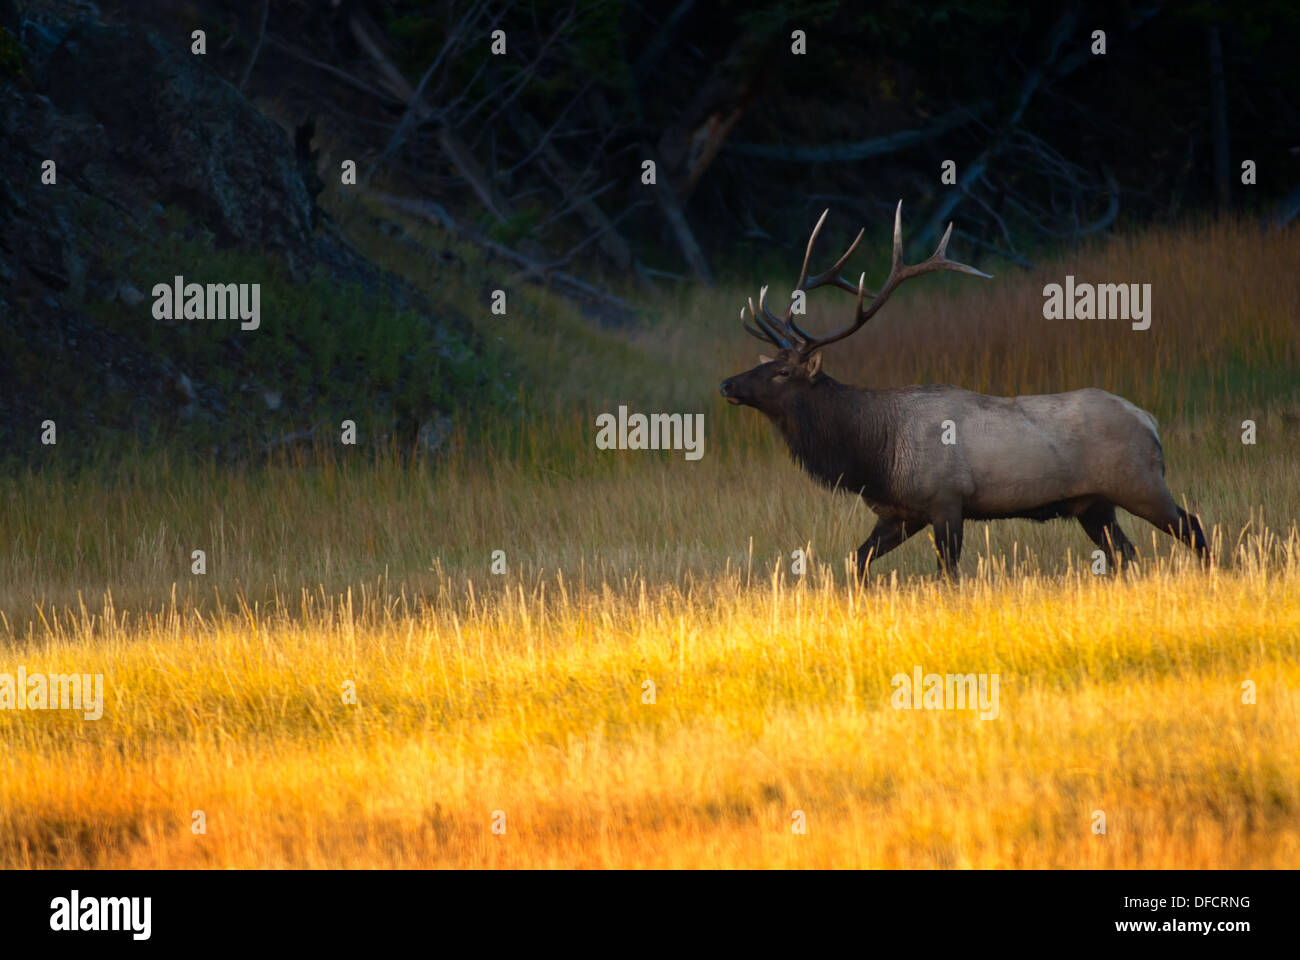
{"x": 1078, "y": 454}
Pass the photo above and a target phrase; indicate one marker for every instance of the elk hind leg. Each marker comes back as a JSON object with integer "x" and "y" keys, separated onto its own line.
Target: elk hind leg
{"x": 1189, "y": 531}
{"x": 1158, "y": 509}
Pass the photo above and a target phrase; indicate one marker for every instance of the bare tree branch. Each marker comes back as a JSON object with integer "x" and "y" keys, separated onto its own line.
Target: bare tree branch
{"x": 397, "y": 83}
{"x": 1048, "y": 69}
{"x": 521, "y": 80}
{"x": 1011, "y": 255}
{"x": 570, "y": 207}
{"x": 861, "y": 149}
{"x": 334, "y": 71}
{"x": 670, "y": 206}
{"x": 544, "y": 140}
{"x": 257, "y": 47}
{"x": 437, "y": 214}
{"x": 658, "y": 45}
{"x": 601, "y": 232}
{"x": 612, "y": 244}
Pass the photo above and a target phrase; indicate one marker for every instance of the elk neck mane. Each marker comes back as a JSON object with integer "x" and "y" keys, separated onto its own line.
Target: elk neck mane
{"x": 816, "y": 425}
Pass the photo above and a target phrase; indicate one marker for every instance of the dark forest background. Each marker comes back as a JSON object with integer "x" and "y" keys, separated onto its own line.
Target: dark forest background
{"x": 533, "y": 161}
{"x": 544, "y": 145}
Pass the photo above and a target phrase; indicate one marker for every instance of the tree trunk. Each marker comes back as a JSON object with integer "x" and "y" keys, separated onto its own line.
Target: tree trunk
{"x": 695, "y": 138}
{"x": 665, "y": 195}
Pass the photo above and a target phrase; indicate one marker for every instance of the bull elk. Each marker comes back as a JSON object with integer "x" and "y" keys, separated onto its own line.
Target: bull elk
{"x": 1078, "y": 454}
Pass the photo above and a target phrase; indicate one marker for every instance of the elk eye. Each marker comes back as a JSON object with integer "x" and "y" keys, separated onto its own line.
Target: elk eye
{"x": 782, "y": 375}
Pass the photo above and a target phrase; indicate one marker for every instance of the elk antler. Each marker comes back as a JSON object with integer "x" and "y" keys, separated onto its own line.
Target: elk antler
{"x": 783, "y": 332}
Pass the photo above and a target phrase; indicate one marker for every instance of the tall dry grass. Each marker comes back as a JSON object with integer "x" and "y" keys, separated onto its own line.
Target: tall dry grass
{"x": 522, "y": 693}
{"x": 527, "y": 707}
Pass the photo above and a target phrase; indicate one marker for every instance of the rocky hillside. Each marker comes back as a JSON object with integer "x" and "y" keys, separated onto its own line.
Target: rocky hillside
{"x": 126, "y": 162}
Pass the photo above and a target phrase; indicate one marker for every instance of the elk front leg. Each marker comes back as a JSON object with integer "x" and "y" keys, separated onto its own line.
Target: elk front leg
{"x": 888, "y": 533}
{"x": 947, "y": 541}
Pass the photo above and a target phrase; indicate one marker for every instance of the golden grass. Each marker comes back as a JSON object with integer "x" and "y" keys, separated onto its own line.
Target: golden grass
{"x": 1120, "y": 696}
{"x": 523, "y": 693}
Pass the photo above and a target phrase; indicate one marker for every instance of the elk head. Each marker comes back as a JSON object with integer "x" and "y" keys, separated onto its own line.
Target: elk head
{"x": 776, "y": 381}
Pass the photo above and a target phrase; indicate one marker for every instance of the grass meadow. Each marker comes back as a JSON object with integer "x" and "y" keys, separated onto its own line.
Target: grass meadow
{"x": 649, "y": 684}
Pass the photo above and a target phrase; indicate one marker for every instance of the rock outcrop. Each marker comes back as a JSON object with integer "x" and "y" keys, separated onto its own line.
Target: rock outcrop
{"x": 151, "y": 149}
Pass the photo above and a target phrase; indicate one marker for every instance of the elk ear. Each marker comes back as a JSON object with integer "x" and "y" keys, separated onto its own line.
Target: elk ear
{"x": 764, "y": 358}
{"x": 813, "y": 364}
